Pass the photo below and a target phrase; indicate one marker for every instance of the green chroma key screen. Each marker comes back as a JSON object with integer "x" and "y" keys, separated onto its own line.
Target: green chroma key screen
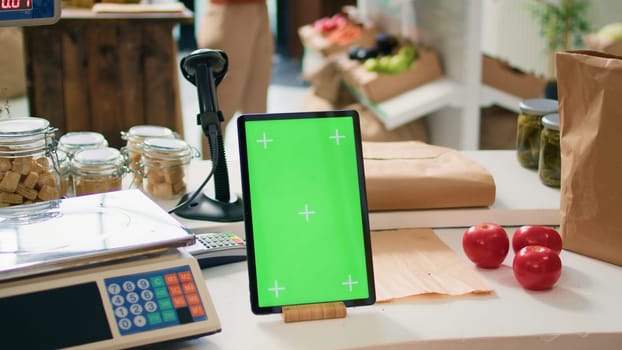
{"x": 306, "y": 220}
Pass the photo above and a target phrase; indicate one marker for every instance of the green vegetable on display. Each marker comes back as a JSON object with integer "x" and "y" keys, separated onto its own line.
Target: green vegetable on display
{"x": 393, "y": 64}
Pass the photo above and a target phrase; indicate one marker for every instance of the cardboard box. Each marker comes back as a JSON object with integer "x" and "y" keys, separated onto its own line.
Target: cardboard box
{"x": 316, "y": 41}
{"x": 377, "y": 87}
{"x": 497, "y": 128}
{"x": 500, "y": 75}
{"x": 372, "y": 129}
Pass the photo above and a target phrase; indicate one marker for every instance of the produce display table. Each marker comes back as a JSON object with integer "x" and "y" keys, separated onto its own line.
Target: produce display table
{"x": 105, "y": 72}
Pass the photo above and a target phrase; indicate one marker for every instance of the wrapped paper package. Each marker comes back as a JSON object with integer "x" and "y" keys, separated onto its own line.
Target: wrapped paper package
{"x": 589, "y": 85}
{"x": 415, "y": 175}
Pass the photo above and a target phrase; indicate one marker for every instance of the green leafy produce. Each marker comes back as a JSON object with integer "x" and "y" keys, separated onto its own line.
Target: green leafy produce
{"x": 393, "y": 64}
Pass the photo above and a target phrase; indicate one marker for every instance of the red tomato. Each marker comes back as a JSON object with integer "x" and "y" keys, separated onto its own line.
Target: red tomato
{"x": 537, "y": 267}
{"x": 536, "y": 235}
{"x": 486, "y": 244}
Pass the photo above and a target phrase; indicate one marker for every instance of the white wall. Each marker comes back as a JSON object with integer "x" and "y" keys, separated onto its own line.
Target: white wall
{"x": 509, "y": 32}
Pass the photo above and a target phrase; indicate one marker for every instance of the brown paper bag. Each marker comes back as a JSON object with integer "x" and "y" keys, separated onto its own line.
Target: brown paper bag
{"x": 416, "y": 175}
{"x": 589, "y": 89}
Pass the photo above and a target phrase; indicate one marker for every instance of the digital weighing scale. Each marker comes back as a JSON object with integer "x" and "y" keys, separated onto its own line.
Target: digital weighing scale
{"x": 99, "y": 271}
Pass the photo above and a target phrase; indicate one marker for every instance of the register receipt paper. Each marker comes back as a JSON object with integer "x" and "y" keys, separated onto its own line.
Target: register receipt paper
{"x": 409, "y": 262}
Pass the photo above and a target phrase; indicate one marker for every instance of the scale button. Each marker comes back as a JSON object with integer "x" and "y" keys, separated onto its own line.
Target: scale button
{"x": 175, "y": 290}
{"x": 132, "y": 297}
{"x": 129, "y": 286}
{"x": 120, "y": 312}
{"x": 179, "y": 301}
{"x": 157, "y": 281}
{"x": 197, "y": 310}
{"x": 136, "y": 309}
{"x": 143, "y": 283}
{"x": 114, "y": 288}
{"x": 154, "y": 318}
{"x": 151, "y": 306}
{"x": 140, "y": 321}
{"x": 146, "y": 294}
{"x": 193, "y": 298}
{"x": 125, "y": 324}
{"x": 161, "y": 293}
{"x": 171, "y": 278}
{"x": 117, "y": 300}
{"x": 165, "y": 303}
{"x": 169, "y": 316}
{"x": 185, "y": 276}
{"x": 189, "y": 287}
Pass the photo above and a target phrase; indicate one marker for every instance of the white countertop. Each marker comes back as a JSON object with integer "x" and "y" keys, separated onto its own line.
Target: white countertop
{"x": 581, "y": 312}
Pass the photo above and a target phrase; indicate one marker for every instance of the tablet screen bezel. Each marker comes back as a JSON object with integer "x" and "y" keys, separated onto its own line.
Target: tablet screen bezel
{"x": 242, "y": 123}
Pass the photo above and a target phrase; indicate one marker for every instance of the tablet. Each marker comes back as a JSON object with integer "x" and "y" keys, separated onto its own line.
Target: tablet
{"x": 305, "y": 210}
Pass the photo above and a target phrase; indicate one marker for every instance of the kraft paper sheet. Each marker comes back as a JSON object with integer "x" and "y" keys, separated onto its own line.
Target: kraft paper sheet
{"x": 409, "y": 262}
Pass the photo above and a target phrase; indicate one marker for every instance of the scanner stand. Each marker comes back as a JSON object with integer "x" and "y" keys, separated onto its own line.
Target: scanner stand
{"x": 209, "y": 209}
{"x": 206, "y": 68}
{"x": 311, "y": 312}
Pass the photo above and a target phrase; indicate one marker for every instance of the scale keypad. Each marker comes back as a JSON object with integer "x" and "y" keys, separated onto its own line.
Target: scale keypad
{"x": 154, "y": 300}
{"x": 216, "y": 240}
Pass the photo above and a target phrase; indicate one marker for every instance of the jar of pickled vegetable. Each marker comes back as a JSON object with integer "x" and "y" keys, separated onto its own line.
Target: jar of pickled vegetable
{"x": 529, "y": 125}
{"x": 549, "y": 165}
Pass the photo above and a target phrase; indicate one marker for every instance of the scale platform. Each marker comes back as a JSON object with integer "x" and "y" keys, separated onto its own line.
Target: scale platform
{"x": 99, "y": 271}
{"x": 68, "y": 233}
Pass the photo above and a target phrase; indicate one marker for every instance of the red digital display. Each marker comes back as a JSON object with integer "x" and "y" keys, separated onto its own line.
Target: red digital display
{"x": 9, "y": 5}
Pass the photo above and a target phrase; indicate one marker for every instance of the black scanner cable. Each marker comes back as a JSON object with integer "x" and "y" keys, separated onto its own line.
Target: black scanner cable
{"x": 213, "y": 133}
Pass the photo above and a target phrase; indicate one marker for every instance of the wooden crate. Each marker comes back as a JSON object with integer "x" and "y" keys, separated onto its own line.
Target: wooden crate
{"x": 105, "y": 72}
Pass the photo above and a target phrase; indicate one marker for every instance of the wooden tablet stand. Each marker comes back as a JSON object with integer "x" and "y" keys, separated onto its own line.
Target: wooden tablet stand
{"x": 310, "y": 312}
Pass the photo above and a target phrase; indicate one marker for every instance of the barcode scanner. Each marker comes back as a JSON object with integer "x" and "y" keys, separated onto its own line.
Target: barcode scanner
{"x": 206, "y": 68}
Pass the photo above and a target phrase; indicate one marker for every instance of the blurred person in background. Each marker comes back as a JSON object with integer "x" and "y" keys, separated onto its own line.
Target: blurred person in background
{"x": 240, "y": 28}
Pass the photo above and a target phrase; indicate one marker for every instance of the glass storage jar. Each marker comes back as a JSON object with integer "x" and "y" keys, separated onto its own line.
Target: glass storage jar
{"x": 135, "y": 137}
{"x": 97, "y": 170}
{"x": 64, "y": 174}
{"x": 74, "y": 141}
{"x": 549, "y": 165}
{"x": 529, "y": 125}
{"x": 28, "y": 168}
{"x": 164, "y": 166}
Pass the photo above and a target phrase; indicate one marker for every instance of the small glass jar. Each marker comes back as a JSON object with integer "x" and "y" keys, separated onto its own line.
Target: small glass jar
{"x": 164, "y": 166}
{"x": 28, "y": 168}
{"x": 135, "y": 137}
{"x": 529, "y": 125}
{"x": 97, "y": 170}
{"x": 64, "y": 174}
{"x": 74, "y": 141}
{"x": 549, "y": 166}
